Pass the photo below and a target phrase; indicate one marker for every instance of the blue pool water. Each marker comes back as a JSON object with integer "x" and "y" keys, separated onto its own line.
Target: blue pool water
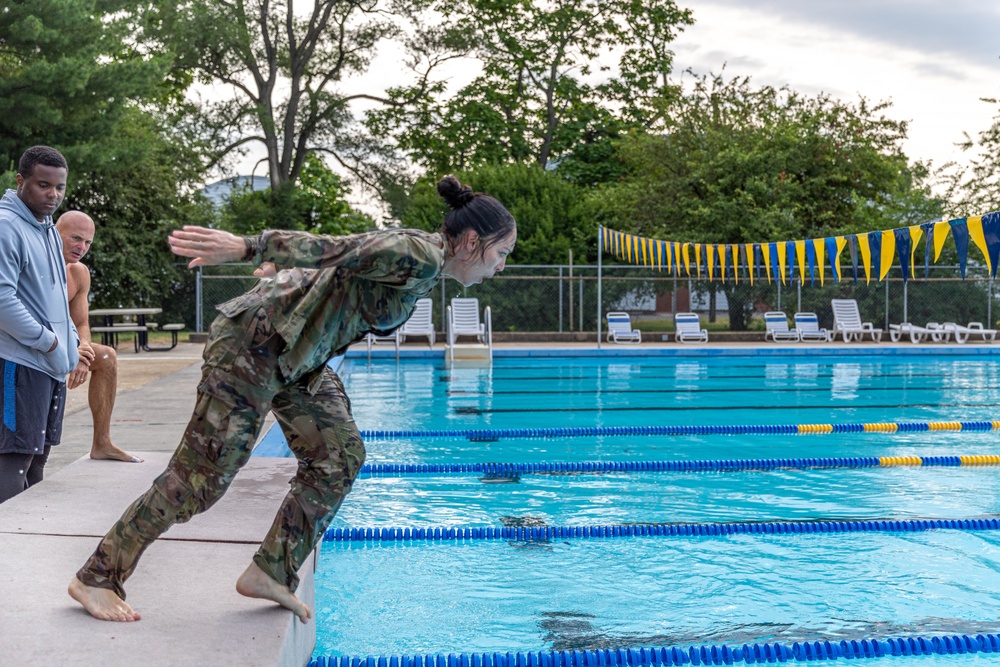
{"x": 415, "y": 597}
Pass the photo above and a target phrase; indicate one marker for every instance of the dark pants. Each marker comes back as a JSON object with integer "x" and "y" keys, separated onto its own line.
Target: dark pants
{"x": 32, "y": 405}
{"x": 240, "y": 384}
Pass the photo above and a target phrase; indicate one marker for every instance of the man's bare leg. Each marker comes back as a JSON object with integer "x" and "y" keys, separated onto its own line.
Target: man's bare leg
{"x": 102, "y": 603}
{"x": 103, "y": 386}
{"x": 255, "y": 583}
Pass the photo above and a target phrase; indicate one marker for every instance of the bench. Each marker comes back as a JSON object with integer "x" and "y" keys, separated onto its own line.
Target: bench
{"x": 109, "y": 335}
{"x": 173, "y": 328}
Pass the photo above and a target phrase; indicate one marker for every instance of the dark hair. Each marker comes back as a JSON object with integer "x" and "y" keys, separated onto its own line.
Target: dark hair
{"x": 43, "y": 155}
{"x": 473, "y": 210}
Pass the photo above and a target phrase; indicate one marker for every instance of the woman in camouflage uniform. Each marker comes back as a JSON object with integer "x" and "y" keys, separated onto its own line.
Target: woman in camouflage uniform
{"x": 267, "y": 351}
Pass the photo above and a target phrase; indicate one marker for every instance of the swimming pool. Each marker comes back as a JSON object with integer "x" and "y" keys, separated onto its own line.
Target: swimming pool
{"x": 798, "y": 538}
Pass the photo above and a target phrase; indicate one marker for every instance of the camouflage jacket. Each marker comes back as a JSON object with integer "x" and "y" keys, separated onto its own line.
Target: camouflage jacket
{"x": 339, "y": 289}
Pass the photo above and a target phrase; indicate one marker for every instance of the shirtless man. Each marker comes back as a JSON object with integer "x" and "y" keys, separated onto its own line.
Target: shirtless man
{"x": 77, "y": 232}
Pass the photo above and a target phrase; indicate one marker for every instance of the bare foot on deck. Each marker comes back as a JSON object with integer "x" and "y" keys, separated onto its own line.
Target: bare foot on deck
{"x": 109, "y": 452}
{"x": 102, "y": 603}
{"x": 255, "y": 583}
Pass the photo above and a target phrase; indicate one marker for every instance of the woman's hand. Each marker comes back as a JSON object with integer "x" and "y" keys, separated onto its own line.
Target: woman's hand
{"x": 207, "y": 246}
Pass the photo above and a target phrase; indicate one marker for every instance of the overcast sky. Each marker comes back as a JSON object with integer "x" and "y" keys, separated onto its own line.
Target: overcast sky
{"x": 933, "y": 59}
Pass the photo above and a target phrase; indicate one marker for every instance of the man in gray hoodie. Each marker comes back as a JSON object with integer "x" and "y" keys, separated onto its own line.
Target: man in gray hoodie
{"x": 38, "y": 341}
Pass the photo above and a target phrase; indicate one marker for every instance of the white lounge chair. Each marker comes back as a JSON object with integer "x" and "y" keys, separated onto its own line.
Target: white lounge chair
{"x": 421, "y": 323}
{"x": 620, "y": 328}
{"x": 688, "y": 328}
{"x": 372, "y": 340}
{"x": 463, "y": 320}
{"x": 847, "y": 322}
{"x": 807, "y": 324}
{"x": 916, "y": 333}
{"x": 776, "y": 325}
{"x": 962, "y": 333}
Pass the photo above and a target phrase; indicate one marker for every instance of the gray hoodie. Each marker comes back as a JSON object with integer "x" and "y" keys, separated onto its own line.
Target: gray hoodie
{"x": 34, "y": 309}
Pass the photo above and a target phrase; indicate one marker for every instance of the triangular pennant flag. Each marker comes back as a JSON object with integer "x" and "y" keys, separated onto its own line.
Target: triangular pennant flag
{"x": 751, "y": 260}
{"x": 991, "y": 232}
{"x": 769, "y": 255}
{"x": 975, "y": 225}
{"x": 928, "y": 244}
{"x": 686, "y": 249}
{"x": 915, "y": 233}
{"x": 871, "y": 251}
{"x": 810, "y": 259}
{"x": 888, "y": 252}
{"x": 941, "y": 230}
{"x": 710, "y": 260}
{"x": 722, "y": 261}
{"x": 819, "y": 246}
{"x": 697, "y": 257}
{"x": 834, "y": 244}
{"x": 790, "y": 259}
{"x": 901, "y": 237}
{"x": 960, "y": 232}
{"x": 802, "y": 257}
{"x": 736, "y": 263}
{"x": 782, "y": 254}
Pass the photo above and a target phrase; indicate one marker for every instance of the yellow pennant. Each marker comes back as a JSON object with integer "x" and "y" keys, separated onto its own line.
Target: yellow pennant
{"x": 751, "y": 265}
{"x": 841, "y": 244}
{"x": 866, "y": 256}
{"x": 800, "y": 256}
{"x": 765, "y": 251}
{"x": 888, "y": 253}
{"x": 710, "y": 260}
{"x": 697, "y": 257}
{"x": 666, "y": 252}
{"x": 722, "y": 261}
{"x": 915, "y": 234}
{"x": 736, "y": 263}
{"x": 782, "y": 253}
{"x": 941, "y": 231}
{"x": 686, "y": 252}
{"x": 975, "y": 225}
{"x": 819, "y": 247}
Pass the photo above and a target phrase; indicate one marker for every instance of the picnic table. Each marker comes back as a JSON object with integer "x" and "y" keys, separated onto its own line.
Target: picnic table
{"x": 110, "y": 330}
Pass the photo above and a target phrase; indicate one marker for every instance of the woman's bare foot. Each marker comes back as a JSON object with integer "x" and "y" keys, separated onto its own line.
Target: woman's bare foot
{"x": 255, "y": 583}
{"x": 101, "y": 603}
{"x": 109, "y": 452}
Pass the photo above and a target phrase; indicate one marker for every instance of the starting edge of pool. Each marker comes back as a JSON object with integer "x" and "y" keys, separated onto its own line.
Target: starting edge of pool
{"x": 968, "y": 350}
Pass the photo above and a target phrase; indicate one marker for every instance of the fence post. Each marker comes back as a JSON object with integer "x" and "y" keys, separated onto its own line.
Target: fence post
{"x": 600, "y": 258}
{"x": 778, "y": 283}
{"x": 906, "y": 304}
{"x": 571, "y": 289}
{"x": 560, "y": 297}
{"x": 197, "y": 308}
{"x": 989, "y": 302}
{"x": 581, "y": 304}
{"x": 886, "y": 325}
{"x": 798, "y": 304}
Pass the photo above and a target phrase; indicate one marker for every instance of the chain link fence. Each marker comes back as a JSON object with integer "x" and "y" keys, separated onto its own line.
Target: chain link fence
{"x": 561, "y": 298}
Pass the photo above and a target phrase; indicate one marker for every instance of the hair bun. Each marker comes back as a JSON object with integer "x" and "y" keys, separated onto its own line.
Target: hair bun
{"x": 454, "y": 193}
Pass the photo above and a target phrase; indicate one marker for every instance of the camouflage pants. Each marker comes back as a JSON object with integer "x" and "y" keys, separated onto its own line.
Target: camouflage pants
{"x": 240, "y": 384}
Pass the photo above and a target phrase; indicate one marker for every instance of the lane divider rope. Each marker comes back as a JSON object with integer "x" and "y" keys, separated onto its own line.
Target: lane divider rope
{"x": 509, "y": 469}
{"x": 699, "y": 429}
{"x": 543, "y": 533}
{"x": 694, "y": 655}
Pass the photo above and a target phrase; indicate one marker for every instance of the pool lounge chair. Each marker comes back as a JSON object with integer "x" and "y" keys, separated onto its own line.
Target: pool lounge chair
{"x": 776, "y": 323}
{"x": 421, "y": 323}
{"x": 807, "y": 324}
{"x": 620, "y": 328}
{"x": 688, "y": 328}
{"x": 962, "y": 333}
{"x": 916, "y": 333}
{"x": 847, "y": 322}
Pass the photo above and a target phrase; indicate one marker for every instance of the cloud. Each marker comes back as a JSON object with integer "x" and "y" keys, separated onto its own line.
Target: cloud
{"x": 965, "y": 29}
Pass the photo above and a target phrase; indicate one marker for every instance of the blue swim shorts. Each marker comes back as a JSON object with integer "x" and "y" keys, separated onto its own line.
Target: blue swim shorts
{"x": 32, "y": 405}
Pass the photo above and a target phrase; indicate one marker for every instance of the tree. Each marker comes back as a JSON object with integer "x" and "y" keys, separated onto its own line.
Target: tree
{"x": 973, "y": 188}
{"x": 283, "y": 68}
{"x": 316, "y": 205}
{"x": 738, "y": 164}
{"x": 68, "y": 73}
{"x": 551, "y": 216}
{"x": 531, "y": 103}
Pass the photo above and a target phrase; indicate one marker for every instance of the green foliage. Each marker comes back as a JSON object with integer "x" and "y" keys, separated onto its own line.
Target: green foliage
{"x": 134, "y": 191}
{"x": 531, "y": 103}
{"x": 68, "y": 72}
{"x": 316, "y": 205}
{"x": 973, "y": 187}
{"x": 550, "y": 212}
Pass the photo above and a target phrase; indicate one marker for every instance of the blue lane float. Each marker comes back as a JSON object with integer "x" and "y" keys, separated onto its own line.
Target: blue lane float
{"x": 694, "y": 655}
{"x": 717, "y": 465}
{"x": 545, "y": 533}
{"x": 696, "y": 429}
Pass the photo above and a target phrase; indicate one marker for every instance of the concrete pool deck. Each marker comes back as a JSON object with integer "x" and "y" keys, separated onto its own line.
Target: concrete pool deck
{"x": 184, "y": 586}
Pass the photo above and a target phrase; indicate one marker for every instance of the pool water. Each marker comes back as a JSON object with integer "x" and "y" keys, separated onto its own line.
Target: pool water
{"x": 441, "y": 597}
